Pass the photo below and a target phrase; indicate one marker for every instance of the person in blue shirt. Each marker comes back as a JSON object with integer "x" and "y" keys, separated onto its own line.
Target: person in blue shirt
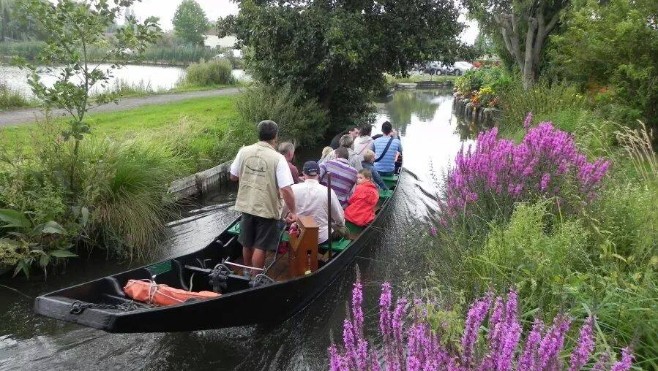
{"x": 386, "y": 148}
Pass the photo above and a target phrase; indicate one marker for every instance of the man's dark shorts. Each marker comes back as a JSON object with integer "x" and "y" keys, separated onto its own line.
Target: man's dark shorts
{"x": 259, "y": 232}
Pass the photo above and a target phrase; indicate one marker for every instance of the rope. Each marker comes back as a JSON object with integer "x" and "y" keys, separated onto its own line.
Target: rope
{"x": 18, "y": 292}
{"x": 77, "y": 307}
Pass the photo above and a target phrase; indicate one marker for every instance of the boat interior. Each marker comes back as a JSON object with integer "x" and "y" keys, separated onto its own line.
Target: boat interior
{"x": 218, "y": 267}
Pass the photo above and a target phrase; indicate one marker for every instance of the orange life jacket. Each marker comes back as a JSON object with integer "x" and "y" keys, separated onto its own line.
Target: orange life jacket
{"x": 159, "y": 294}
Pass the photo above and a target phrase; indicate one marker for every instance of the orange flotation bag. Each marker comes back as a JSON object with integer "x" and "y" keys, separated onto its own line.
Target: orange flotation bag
{"x": 159, "y": 294}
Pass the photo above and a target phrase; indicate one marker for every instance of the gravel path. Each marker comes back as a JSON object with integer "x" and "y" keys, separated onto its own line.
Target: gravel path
{"x": 26, "y": 116}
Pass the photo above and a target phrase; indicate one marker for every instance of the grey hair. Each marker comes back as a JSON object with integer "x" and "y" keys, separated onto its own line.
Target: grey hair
{"x": 286, "y": 147}
{"x": 346, "y": 141}
{"x": 267, "y": 130}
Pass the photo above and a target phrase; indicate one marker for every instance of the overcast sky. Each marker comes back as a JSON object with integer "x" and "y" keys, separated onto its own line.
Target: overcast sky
{"x": 165, "y": 9}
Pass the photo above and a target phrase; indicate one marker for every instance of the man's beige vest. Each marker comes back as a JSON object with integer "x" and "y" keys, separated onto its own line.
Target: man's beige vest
{"x": 258, "y": 193}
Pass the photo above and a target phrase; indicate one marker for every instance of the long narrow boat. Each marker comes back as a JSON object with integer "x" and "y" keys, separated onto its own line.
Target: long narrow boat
{"x": 291, "y": 281}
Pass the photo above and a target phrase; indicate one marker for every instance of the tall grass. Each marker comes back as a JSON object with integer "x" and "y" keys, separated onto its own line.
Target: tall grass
{"x": 300, "y": 120}
{"x": 210, "y": 73}
{"x": 544, "y": 101}
{"x": 126, "y": 184}
{"x": 10, "y": 98}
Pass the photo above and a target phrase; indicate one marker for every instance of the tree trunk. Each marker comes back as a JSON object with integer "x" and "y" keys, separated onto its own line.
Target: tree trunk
{"x": 528, "y": 58}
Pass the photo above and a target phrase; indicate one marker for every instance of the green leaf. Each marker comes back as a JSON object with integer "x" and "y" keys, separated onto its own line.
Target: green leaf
{"x": 14, "y": 218}
{"x": 53, "y": 227}
{"x": 63, "y": 254}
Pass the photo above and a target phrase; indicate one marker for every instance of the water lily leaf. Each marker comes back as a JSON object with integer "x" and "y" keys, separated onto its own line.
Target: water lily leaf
{"x": 14, "y": 218}
{"x": 53, "y": 227}
{"x": 63, "y": 254}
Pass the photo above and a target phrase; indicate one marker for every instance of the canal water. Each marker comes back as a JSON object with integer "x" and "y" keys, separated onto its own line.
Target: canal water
{"x": 393, "y": 252}
{"x": 153, "y": 78}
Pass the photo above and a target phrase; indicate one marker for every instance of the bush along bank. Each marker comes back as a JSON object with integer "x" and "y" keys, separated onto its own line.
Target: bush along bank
{"x": 116, "y": 200}
{"x": 563, "y": 218}
{"x": 477, "y": 95}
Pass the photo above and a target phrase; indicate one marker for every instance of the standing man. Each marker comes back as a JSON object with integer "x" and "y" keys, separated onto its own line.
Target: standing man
{"x": 386, "y": 148}
{"x": 264, "y": 176}
{"x": 287, "y": 149}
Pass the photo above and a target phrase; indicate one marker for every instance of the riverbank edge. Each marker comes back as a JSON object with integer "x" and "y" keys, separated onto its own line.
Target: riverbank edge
{"x": 469, "y": 112}
{"x": 202, "y": 183}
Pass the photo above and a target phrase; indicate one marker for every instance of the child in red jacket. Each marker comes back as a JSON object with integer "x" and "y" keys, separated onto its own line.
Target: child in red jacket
{"x": 360, "y": 208}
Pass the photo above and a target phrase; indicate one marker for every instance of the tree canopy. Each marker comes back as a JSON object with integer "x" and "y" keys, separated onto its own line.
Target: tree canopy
{"x": 611, "y": 48}
{"x": 337, "y": 51}
{"x": 522, "y": 26}
{"x": 190, "y": 22}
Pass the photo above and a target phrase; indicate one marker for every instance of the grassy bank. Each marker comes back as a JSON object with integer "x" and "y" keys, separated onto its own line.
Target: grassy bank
{"x": 559, "y": 207}
{"x": 194, "y": 127}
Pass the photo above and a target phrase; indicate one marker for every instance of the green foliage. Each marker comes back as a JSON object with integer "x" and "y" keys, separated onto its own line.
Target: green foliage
{"x": 543, "y": 100}
{"x": 213, "y": 72}
{"x": 299, "y": 119}
{"x": 190, "y": 22}
{"x": 511, "y": 23}
{"x": 494, "y": 78}
{"x": 611, "y": 49}
{"x": 11, "y": 99}
{"x": 125, "y": 185}
{"x": 336, "y": 53}
{"x": 30, "y": 243}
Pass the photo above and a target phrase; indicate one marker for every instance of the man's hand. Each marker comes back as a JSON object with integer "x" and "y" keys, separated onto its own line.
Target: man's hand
{"x": 291, "y": 217}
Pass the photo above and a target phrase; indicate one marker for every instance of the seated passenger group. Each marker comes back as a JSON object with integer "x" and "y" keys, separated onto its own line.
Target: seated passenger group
{"x": 267, "y": 177}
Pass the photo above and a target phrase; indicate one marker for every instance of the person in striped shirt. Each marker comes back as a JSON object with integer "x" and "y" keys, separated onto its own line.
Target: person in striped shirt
{"x": 343, "y": 176}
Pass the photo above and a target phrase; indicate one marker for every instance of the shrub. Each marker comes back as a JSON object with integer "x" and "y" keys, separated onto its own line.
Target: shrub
{"x": 125, "y": 189}
{"x": 299, "y": 119}
{"x": 415, "y": 346}
{"x": 213, "y": 72}
{"x": 11, "y": 99}
{"x": 486, "y": 182}
{"x": 543, "y": 100}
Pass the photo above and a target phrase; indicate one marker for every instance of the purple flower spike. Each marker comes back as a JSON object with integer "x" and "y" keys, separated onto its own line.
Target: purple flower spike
{"x": 626, "y": 361}
{"x": 585, "y": 346}
{"x": 476, "y": 315}
{"x": 527, "y": 121}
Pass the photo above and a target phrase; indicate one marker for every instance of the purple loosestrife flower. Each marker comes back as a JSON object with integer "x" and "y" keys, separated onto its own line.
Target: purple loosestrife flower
{"x": 357, "y": 308}
{"x": 528, "y": 121}
{"x": 585, "y": 346}
{"x": 350, "y": 342}
{"x": 528, "y": 360}
{"x": 398, "y": 319}
{"x": 433, "y": 231}
{"x": 552, "y": 343}
{"x": 362, "y": 355}
{"x": 474, "y": 319}
{"x": 626, "y": 361}
{"x": 385, "y": 316}
{"x": 543, "y": 183}
{"x": 601, "y": 362}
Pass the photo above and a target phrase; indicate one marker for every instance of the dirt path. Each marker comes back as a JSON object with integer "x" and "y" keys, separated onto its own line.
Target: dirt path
{"x": 26, "y": 116}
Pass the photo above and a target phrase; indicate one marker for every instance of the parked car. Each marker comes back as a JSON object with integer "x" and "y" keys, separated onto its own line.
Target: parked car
{"x": 437, "y": 68}
{"x": 460, "y": 67}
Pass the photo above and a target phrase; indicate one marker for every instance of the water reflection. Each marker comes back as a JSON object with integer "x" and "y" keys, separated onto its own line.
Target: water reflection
{"x": 392, "y": 252}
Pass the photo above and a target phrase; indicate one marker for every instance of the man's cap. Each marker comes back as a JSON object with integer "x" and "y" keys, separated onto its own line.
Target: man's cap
{"x": 311, "y": 168}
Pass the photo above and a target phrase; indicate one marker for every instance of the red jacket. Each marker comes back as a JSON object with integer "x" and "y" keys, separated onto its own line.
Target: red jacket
{"x": 361, "y": 206}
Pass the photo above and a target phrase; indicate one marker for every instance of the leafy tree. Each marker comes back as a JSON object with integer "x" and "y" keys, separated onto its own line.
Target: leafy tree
{"x": 612, "y": 49}
{"x": 73, "y": 27}
{"x": 523, "y": 25}
{"x": 190, "y": 22}
{"x": 337, "y": 51}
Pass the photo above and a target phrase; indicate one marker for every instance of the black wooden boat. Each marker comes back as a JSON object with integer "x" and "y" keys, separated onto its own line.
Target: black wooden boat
{"x": 269, "y": 297}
